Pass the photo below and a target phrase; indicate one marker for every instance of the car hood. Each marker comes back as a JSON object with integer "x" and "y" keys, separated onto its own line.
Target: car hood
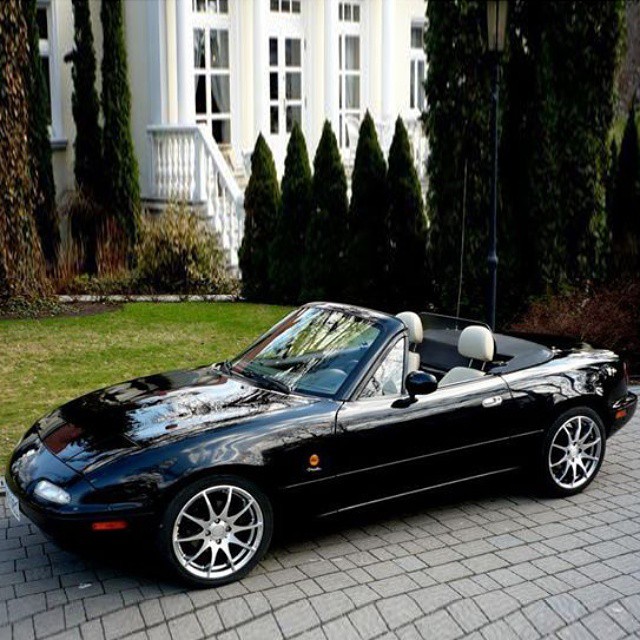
{"x": 145, "y": 411}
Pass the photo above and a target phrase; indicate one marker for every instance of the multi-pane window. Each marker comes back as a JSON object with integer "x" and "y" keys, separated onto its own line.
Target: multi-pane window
{"x": 350, "y": 74}
{"x": 42, "y": 16}
{"x": 211, "y": 67}
{"x": 211, "y": 6}
{"x": 349, "y": 12}
{"x": 285, "y": 6}
{"x": 285, "y": 83}
{"x": 417, "y": 67}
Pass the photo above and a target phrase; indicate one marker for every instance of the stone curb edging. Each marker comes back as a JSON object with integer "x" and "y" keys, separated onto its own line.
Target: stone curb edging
{"x": 68, "y": 299}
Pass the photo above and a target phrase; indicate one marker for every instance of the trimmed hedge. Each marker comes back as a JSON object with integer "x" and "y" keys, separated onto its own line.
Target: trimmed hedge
{"x": 86, "y": 105}
{"x": 287, "y": 245}
{"x": 368, "y": 251}
{"x": 408, "y": 273}
{"x": 261, "y": 202}
{"x": 323, "y": 265}
{"x": 122, "y": 190}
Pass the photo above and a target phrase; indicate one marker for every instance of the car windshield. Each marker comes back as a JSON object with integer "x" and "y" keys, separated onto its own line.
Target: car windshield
{"x": 311, "y": 351}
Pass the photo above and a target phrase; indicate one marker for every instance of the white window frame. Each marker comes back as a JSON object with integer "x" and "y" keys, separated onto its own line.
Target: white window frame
{"x": 214, "y": 21}
{"x": 49, "y": 48}
{"x": 416, "y": 56}
{"x": 281, "y": 26}
{"x": 282, "y": 102}
{"x": 349, "y": 28}
{"x": 293, "y": 7}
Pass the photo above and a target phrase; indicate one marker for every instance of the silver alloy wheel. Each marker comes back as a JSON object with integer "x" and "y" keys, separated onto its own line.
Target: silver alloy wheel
{"x": 575, "y": 452}
{"x": 218, "y": 531}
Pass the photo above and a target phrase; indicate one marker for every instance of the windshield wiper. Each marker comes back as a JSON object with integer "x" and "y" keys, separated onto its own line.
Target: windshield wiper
{"x": 225, "y": 367}
{"x": 267, "y": 381}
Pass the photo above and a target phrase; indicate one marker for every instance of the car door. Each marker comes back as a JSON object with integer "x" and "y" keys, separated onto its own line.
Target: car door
{"x": 386, "y": 446}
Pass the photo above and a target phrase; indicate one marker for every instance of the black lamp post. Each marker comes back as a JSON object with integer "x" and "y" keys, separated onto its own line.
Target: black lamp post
{"x": 496, "y": 27}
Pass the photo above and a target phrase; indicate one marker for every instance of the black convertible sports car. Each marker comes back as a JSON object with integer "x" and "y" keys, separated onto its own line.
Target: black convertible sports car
{"x": 334, "y": 408}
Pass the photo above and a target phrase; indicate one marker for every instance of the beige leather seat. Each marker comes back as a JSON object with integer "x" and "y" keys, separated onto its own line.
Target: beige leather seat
{"x": 475, "y": 343}
{"x": 414, "y": 326}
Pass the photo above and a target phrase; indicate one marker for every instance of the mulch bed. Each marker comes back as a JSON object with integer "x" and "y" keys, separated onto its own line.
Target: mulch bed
{"x": 76, "y": 309}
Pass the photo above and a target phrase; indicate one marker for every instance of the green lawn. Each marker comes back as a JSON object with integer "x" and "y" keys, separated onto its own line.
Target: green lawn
{"x": 44, "y": 363}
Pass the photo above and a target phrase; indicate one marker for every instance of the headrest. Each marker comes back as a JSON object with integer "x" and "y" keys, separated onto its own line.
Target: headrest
{"x": 413, "y": 323}
{"x": 477, "y": 343}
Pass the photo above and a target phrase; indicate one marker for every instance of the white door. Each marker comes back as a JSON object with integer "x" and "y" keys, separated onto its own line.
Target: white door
{"x": 286, "y": 100}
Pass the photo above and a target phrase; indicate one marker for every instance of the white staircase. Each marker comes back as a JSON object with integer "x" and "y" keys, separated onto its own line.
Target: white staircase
{"x": 187, "y": 166}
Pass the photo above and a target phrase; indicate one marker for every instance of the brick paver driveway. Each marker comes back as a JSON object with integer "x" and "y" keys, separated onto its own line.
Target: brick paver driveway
{"x": 492, "y": 562}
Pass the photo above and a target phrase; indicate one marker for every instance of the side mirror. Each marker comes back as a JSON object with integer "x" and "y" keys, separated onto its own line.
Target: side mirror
{"x": 419, "y": 383}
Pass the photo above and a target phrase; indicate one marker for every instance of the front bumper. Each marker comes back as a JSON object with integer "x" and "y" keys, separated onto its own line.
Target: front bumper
{"x": 79, "y": 524}
{"x": 622, "y": 411}
{"x": 31, "y": 462}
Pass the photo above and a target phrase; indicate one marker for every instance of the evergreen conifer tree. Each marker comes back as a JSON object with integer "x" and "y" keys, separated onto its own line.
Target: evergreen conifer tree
{"x": 457, "y": 127}
{"x": 323, "y": 264}
{"x": 408, "y": 274}
{"x": 21, "y": 263}
{"x": 40, "y": 143}
{"x": 120, "y": 164}
{"x": 557, "y": 98}
{"x": 287, "y": 246}
{"x": 85, "y": 104}
{"x": 625, "y": 218}
{"x": 261, "y": 203}
{"x": 610, "y": 193}
{"x": 368, "y": 221}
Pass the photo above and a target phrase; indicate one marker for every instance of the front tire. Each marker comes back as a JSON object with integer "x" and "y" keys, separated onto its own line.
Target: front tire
{"x": 572, "y": 453}
{"x": 216, "y": 530}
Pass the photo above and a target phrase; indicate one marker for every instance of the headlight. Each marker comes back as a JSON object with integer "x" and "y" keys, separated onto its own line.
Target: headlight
{"x": 51, "y": 493}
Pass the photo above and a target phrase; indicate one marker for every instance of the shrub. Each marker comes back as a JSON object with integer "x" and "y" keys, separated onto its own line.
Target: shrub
{"x": 287, "y": 246}
{"x": 407, "y": 227}
{"x": 125, "y": 283}
{"x": 95, "y": 243}
{"x": 323, "y": 263}
{"x": 606, "y": 316}
{"x": 368, "y": 221}
{"x": 261, "y": 202}
{"x": 179, "y": 253}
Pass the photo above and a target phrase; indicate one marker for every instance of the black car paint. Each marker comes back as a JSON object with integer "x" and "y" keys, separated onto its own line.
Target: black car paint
{"x": 122, "y": 452}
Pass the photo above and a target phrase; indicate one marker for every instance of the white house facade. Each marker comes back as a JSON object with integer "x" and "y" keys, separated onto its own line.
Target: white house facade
{"x": 207, "y": 76}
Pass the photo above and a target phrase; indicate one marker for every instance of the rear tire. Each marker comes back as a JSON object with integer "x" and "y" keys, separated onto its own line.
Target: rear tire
{"x": 572, "y": 453}
{"x": 216, "y": 530}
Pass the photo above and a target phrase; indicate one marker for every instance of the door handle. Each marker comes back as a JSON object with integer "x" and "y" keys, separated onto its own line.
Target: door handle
{"x": 493, "y": 401}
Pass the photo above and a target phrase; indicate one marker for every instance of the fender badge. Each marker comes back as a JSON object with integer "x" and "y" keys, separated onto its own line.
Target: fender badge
{"x": 314, "y": 462}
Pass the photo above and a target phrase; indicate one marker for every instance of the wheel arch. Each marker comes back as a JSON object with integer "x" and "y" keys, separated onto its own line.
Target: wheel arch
{"x": 254, "y": 473}
{"x": 595, "y": 403}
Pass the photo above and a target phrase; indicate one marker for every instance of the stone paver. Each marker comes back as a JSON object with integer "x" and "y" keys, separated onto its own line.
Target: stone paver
{"x": 492, "y": 562}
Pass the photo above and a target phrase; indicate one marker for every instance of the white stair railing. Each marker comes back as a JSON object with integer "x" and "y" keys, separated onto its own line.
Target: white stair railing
{"x": 189, "y": 167}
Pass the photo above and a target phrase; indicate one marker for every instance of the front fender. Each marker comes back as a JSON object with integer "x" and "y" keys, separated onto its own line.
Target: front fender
{"x": 275, "y": 451}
